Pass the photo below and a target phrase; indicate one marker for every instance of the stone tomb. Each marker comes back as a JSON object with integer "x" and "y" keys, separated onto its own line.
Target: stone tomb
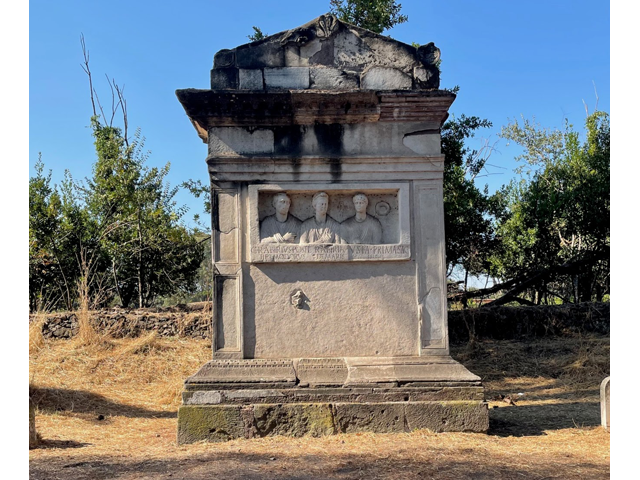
{"x": 328, "y": 241}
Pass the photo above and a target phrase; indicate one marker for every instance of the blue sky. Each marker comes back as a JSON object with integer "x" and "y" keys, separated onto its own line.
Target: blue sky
{"x": 509, "y": 58}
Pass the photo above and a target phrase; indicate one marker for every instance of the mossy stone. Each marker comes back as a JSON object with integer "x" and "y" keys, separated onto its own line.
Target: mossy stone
{"x": 213, "y": 423}
{"x": 294, "y": 419}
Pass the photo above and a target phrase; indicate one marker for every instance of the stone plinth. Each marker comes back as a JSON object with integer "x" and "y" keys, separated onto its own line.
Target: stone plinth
{"x": 605, "y": 403}
{"x": 319, "y": 396}
{"x": 33, "y": 436}
{"x": 329, "y": 305}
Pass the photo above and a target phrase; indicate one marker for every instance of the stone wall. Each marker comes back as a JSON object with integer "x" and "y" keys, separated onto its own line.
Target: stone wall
{"x": 505, "y": 323}
{"x": 194, "y": 320}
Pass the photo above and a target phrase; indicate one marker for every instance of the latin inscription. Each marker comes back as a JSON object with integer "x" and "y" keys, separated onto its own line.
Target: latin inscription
{"x": 327, "y": 253}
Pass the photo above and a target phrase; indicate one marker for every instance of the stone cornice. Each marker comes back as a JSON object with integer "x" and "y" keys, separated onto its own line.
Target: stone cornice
{"x": 233, "y": 108}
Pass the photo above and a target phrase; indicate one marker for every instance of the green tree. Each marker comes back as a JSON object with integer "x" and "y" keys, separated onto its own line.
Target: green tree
{"x": 151, "y": 253}
{"x": 469, "y": 228}
{"x": 46, "y": 280}
{"x": 117, "y": 235}
{"x": 374, "y": 15}
{"x": 558, "y": 212}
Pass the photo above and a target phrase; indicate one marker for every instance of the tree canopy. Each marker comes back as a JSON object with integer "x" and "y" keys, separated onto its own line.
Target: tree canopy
{"x": 374, "y": 15}
{"x": 558, "y": 210}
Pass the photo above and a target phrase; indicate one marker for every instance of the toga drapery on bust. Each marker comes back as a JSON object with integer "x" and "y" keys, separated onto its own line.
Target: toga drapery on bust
{"x": 367, "y": 232}
{"x": 313, "y": 232}
{"x": 273, "y": 231}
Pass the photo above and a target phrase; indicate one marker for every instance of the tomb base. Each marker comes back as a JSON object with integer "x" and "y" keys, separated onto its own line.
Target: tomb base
{"x": 229, "y": 399}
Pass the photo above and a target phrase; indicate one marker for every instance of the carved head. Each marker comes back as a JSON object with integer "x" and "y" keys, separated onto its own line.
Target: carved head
{"x": 320, "y": 202}
{"x": 297, "y": 299}
{"x": 360, "y": 201}
{"x": 281, "y": 203}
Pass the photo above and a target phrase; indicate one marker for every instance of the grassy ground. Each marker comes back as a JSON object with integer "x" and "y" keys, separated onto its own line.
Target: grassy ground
{"x": 107, "y": 409}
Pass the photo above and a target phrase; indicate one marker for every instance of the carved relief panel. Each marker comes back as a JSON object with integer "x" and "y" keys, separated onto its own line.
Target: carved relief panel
{"x": 324, "y": 223}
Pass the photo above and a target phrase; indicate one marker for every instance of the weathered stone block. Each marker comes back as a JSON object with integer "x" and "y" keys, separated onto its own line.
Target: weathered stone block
{"x": 451, "y": 416}
{"x": 370, "y": 417}
{"x": 371, "y": 370}
{"x": 292, "y": 57}
{"x": 294, "y": 78}
{"x": 382, "y": 78}
{"x": 322, "y": 371}
{"x": 246, "y": 371}
{"x": 296, "y": 420}
{"x": 213, "y": 423}
{"x": 423, "y": 142}
{"x": 426, "y": 77}
{"x": 308, "y": 50}
{"x": 250, "y": 79}
{"x": 224, "y": 78}
{"x": 332, "y": 79}
{"x": 267, "y": 54}
{"x": 206, "y": 397}
{"x": 230, "y": 141}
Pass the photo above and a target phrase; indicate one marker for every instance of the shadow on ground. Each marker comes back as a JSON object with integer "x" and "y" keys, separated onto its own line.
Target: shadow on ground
{"x": 50, "y": 400}
{"x": 62, "y": 444}
{"x": 529, "y": 420}
{"x": 471, "y": 464}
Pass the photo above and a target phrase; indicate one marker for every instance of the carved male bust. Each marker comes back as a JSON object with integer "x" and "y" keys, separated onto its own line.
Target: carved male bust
{"x": 320, "y": 228}
{"x": 361, "y": 228}
{"x": 281, "y": 227}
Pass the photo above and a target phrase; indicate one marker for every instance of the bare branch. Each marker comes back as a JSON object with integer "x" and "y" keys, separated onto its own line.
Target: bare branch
{"x": 85, "y": 67}
{"x": 597, "y": 98}
{"x": 99, "y": 104}
{"x": 114, "y": 107}
{"x": 123, "y": 105}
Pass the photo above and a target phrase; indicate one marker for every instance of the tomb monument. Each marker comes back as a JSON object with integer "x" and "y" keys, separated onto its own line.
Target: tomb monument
{"x": 328, "y": 241}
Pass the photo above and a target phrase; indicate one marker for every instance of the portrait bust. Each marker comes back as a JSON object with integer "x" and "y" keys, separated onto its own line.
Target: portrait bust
{"x": 320, "y": 228}
{"x": 282, "y": 227}
{"x": 362, "y": 228}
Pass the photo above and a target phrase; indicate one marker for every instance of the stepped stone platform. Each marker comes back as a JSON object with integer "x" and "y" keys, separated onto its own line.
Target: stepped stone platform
{"x": 250, "y": 398}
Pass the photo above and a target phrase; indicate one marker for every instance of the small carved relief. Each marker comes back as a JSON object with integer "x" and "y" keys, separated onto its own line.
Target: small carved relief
{"x": 327, "y": 24}
{"x": 429, "y": 54}
{"x": 281, "y": 227}
{"x": 320, "y": 228}
{"x": 299, "y": 300}
{"x": 362, "y": 228}
{"x": 382, "y": 209}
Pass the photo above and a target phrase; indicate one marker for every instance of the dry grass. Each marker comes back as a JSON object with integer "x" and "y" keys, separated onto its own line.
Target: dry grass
{"x": 87, "y": 334}
{"x": 135, "y": 387}
{"x": 36, "y": 339}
